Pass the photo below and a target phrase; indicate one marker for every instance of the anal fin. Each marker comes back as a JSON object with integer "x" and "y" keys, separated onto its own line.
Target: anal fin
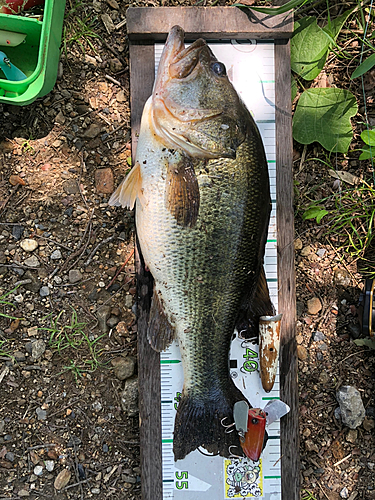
{"x": 160, "y": 332}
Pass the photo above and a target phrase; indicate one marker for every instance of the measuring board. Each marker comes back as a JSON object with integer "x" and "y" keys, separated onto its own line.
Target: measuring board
{"x": 251, "y": 68}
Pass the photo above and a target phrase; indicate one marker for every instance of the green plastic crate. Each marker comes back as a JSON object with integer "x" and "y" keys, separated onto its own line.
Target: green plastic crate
{"x": 38, "y": 56}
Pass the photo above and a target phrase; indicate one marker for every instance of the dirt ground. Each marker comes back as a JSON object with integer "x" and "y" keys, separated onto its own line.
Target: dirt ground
{"x": 67, "y": 364}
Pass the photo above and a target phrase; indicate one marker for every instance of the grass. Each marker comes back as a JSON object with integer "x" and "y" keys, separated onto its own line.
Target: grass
{"x": 78, "y": 29}
{"x": 307, "y": 495}
{"x": 4, "y": 302}
{"x": 69, "y": 339}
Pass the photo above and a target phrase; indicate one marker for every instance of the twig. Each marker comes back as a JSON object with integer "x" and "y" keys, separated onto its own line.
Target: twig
{"x": 324, "y": 493}
{"x": 54, "y": 242}
{"x": 77, "y": 484}
{"x": 342, "y": 460}
{"x": 120, "y": 270}
{"x": 4, "y": 373}
{"x": 2, "y": 207}
{"x": 116, "y": 82}
{"x": 353, "y": 354}
{"x": 41, "y": 446}
{"x": 107, "y": 240}
{"x": 79, "y": 250}
{"x": 22, "y": 282}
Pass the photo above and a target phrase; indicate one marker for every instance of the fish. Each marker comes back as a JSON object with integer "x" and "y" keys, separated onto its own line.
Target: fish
{"x": 201, "y": 193}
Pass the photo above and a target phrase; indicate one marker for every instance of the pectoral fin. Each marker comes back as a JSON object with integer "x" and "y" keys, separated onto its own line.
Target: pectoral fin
{"x": 160, "y": 332}
{"x": 182, "y": 194}
{"x": 129, "y": 190}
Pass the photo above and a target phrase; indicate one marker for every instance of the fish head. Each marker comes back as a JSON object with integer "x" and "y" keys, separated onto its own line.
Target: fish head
{"x": 194, "y": 105}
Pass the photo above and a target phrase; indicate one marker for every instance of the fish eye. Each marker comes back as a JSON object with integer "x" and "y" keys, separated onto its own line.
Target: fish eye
{"x": 218, "y": 68}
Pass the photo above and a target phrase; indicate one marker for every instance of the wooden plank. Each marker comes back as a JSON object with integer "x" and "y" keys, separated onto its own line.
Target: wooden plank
{"x": 154, "y": 23}
{"x": 142, "y": 68}
{"x": 290, "y": 467}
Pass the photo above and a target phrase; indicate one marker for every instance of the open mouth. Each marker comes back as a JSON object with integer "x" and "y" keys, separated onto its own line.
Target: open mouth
{"x": 186, "y": 60}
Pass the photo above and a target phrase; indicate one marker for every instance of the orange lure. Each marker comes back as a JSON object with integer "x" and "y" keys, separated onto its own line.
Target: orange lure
{"x": 252, "y": 443}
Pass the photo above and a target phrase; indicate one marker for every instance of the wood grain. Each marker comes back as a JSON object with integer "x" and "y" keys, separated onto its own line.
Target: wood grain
{"x": 154, "y": 23}
{"x": 290, "y": 466}
{"x": 142, "y": 68}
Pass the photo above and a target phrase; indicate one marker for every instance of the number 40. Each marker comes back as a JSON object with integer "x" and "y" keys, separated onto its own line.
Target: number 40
{"x": 180, "y": 485}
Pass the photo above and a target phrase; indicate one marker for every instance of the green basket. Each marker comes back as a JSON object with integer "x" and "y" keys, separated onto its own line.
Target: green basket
{"x": 38, "y": 56}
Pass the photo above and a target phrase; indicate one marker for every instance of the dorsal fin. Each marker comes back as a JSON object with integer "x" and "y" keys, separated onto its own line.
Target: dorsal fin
{"x": 129, "y": 190}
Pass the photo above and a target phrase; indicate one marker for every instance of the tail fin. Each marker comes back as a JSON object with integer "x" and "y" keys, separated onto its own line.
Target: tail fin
{"x": 200, "y": 421}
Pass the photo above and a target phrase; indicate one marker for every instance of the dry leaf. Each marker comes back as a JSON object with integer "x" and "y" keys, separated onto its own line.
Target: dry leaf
{"x": 344, "y": 176}
{"x": 34, "y": 457}
{"x": 62, "y": 479}
{"x": 16, "y": 179}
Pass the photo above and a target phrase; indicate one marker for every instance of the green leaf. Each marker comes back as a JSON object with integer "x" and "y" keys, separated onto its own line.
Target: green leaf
{"x": 294, "y": 88}
{"x": 367, "y": 153}
{"x": 323, "y": 115}
{"x": 365, "y": 342}
{"x": 368, "y": 137}
{"x": 315, "y": 212}
{"x": 274, "y": 11}
{"x": 310, "y": 44}
{"x": 129, "y": 160}
{"x": 364, "y": 67}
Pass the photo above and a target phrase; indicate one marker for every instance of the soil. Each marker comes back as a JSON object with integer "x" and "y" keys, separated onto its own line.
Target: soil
{"x": 67, "y": 374}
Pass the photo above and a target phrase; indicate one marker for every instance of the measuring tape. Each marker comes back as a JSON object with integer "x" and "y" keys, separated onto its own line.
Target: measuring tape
{"x": 251, "y": 69}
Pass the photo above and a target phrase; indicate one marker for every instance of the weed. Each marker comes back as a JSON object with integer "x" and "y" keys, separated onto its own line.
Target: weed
{"x": 4, "y": 302}
{"x": 78, "y": 30}
{"x": 307, "y": 495}
{"x": 71, "y": 337}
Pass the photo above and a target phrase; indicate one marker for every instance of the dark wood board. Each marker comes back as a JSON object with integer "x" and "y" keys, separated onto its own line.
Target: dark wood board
{"x": 153, "y": 23}
{"x": 142, "y": 69}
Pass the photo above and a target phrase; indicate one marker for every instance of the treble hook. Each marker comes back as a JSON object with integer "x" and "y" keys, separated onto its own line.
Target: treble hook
{"x": 232, "y": 455}
{"x": 227, "y": 426}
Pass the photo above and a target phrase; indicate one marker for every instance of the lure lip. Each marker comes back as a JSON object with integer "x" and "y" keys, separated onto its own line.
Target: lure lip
{"x": 252, "y": 443}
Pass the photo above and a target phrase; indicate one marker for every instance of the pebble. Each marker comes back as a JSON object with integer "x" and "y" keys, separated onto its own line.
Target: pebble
{"x": 37, "y": 349}
{"x": 74, "y": 276}
{"x": 321, "y": 252}
{"x": 60, "y": 118}
{"x": 301, "y": 352}
{"x": 306, "y": 251}
{"x": 351, "y": 406}
{"x": 62, "y": 479}
{"x": 311, "y": 446}
{"x": 105, "y": 448}
{"x": 92, "y": 131}
{"x": 368, "y": 424}
{"x": 70, "y": 186}
{"x": 29, "y": 245}
{"x": 342, "y": 277}
{"x": 123, "y": 367}
{"x": 19, "y": 356}
{"x": 323, "y": 347}
{"x": 121, "y": 97}
{"x": 104, "y": 180}
{"x": 344, "y": 493}
{"x": 9, "y": 455}
{"x": 56, "y": 255}
{"x": 95, "y": 491}
{"x": 17, "y": 232}
{"x": 112, "y": 321}
{"x": 42, "y": 414}
{"x": 352, "y": 435}
{"x": 23, "y": 493}
{"x": 57, "y": 280}
{"x": 97, "y": 406}
{"x": 317, "y": 336}
{"x": 128, "y": 301}
{"x": 129, "y": 397}
{"x": 314, "y": 305}
{"x": 38, "y": 470}
{"x": 44, "y": 291}
{"x": 103, "y": 314}
{"x": 50, "y": 465}
{"x": 32, "y": 261}
{"x": 35, "y": 283}
{"x": 32, "y": 331}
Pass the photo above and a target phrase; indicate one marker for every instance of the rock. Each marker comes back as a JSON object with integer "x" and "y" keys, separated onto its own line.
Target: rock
{"x": 317, "y": 336}
{"x": 42, "y": 414}
{"x": 352, "y": 435}
{"x": 112, "y": 321}
{"x": 32, "y": 331}
{"x": 121, "y": 97}
{"x": 62, "y": 479}
{"x": 103, "y": 314}
{"x": 95, "y": 491}
{"x": 311, "y": 446}
{"x": 115, "y": 65}
{"x": 50, "y": 465}
{"x": 92, "y": 131}
{"x": 104, "y": 180}
{"x": 368, "y": 424}
{"x": 23, "y": 493}
{"x": 17, "y": 232}
{"x": 29, "y": 245}
{"x": 38, "y": 470}
{"x": 55, "y": 255}
{"x": 129, "y": 397}
{"x": 301, "y": 352}
{"x": 354, "y": 330}
{"x": 306, "y": 251}
{"x": 344, "y": 493}
{"x": 34, "y": 286}
{"x": 342, "y": 277}
{"x": 113, "y": 4}
{"x": 44, "y": 291}
{"x": 314, "y": 305}
{"x": 57, "y": 143}
{"x": 9, "y": 455}
{"x": 351, "y": 406}
{"x": 71, "y": 186}
{"x": 74, "y": 276}
{"x": 90, "y": 60}
{"x": 38, "y": 348}
{"x": 320, "y": 253}
{"x": 32, "y": 262}
{"x": 123, "y": 367}
{"x": 128, "y": 301}
{"x": 298, "y": 244}
{"x": 60, "y": 118}
{"x": 97, "y": 406}
{"x": 105, "y": 448}
{"x": 323, "y": 347}
{"x": 19, "y": 356}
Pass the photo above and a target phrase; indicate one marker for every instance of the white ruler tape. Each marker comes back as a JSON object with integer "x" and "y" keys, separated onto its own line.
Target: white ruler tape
{"x": 250, "y": 67}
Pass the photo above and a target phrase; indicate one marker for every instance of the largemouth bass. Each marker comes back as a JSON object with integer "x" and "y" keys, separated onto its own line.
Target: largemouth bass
{"x": 201, "y": 188}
